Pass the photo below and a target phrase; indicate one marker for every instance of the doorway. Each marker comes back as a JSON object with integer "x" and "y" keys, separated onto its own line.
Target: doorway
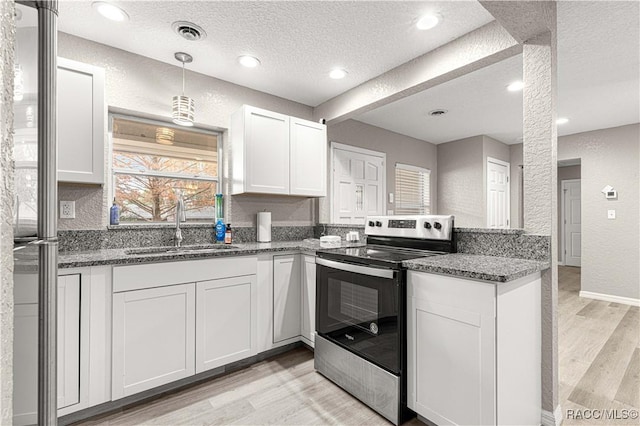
{"x": 498, "y": 193}
{"x": 358, "y": 181}
{"x": 570, "y": 224}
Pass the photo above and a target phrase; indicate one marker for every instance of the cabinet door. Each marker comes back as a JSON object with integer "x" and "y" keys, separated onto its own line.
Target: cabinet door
{"x": 25, "y": 352}
{"x": 308, "y": 163}
{"x": 309, "y": 298}
{"x": 153, "y": 338}
{"x": 25, "y": 364}
{"x": 225, "y": 315}
{"x": 451, "y": 364}
{"x": 266, "y": 138}
{"x": 81, "y": 118}
{"x": 286, "y": 297}
{"x": 68, "y": 340}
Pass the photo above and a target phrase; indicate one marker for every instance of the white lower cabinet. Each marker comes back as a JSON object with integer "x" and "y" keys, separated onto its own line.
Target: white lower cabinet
{"x": 173, "y": 320}
{"x": 153, "y": 337}
{"x": 473, "y": 350}
{"x": 286, "y": 297}
{"x": 308, "y": 323}
{"x": 225, "y": 317}
{"x": 25, "y": 349}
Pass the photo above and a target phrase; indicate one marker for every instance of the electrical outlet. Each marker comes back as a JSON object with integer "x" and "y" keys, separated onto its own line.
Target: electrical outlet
{"x": 611, "y": 214}
{"x": 67, "y": 209}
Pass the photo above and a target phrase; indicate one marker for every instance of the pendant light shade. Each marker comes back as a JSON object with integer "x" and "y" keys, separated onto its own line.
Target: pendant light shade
{"x": 184, "y": 107}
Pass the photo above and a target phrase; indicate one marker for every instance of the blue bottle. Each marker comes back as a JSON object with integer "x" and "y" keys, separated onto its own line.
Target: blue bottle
{"x": 114, "y": 214}
{"x": 220, "y": 231}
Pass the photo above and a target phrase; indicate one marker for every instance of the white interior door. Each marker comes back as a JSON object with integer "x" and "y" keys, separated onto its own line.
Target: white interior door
{"x": 498, "y": 208}
{"x": 572, "y": 222}
{"x": 358, "y": 184}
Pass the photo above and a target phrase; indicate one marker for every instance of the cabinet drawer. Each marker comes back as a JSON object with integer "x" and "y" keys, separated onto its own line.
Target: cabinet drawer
{"x": 136, "y": 277}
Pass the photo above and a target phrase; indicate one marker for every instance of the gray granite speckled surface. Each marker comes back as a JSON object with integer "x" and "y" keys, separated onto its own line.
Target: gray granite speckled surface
{"x": 518, "y": 245}
{"x": 141, "y": 235}
{"x": 487, "y": 268}
{"x": 490, "y": 230}
{"x": 25, "y": 260}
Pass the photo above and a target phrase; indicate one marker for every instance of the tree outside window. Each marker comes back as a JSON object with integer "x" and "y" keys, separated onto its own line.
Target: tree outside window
{"x": 151, "y": 161}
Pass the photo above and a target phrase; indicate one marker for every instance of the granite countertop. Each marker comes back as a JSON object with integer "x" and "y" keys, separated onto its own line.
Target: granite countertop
{"x": 488, "y": 268}
{"x": 26, "y": 259}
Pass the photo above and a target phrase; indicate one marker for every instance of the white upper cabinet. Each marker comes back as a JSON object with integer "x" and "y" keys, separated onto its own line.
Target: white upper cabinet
{"x": 308, "y": 158}
{"x": 81, "y": 121}
{"x": 273, "y": 153}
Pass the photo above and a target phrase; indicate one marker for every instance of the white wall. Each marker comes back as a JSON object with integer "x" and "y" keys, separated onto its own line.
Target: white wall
{"x": 399, "y": 149}
{"x": 140, "y": 84}
{"x": 610, "y": 248}
{"x": 515, "y": 155}
{"x": 462, "y": 176}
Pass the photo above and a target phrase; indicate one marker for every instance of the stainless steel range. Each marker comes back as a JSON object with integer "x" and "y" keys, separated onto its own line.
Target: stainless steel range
{"x": 361, "y": 308}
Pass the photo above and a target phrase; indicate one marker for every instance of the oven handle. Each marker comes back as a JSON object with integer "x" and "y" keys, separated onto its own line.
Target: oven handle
{"x": 357, "y": 269}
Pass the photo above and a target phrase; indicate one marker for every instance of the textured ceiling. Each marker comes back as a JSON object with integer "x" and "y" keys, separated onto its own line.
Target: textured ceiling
{"x": 477, "y": 103}
{"x": 598, "y": 83}
{"x": 297, "y": 42}
{"x": 598, "y": 64}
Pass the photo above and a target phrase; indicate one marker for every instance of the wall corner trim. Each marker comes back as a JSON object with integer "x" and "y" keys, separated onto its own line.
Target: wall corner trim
{"x": 552, "y": 419}
{"x": 610, "y": 298}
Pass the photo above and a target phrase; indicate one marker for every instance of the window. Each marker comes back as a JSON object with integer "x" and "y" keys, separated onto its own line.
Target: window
{"x": 413, "y": 195}
{"x": 151, "y": 160}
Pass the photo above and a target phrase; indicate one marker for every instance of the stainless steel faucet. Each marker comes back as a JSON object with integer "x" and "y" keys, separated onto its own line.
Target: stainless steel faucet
{"x": 180, "y": 217}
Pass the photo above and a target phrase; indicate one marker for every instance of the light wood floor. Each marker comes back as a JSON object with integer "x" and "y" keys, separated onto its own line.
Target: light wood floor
{"x": 598, "y": 353}
{"x": 284, "y": 390}
{"x": 599, "y": 368}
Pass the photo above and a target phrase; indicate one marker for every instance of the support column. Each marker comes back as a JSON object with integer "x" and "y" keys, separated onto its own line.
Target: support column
{"x": 540, "y": 193}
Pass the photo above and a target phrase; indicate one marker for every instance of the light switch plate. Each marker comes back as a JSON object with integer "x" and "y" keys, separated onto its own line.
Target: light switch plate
{"x": 67, "y": 209}
{"x": 611, "y": 214}
{"x": 391, "y": 198}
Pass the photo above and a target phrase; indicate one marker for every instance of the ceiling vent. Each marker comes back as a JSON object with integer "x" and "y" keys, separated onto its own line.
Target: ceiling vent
{"x": 188, "y": 30}
{"x": 438, "y": 112}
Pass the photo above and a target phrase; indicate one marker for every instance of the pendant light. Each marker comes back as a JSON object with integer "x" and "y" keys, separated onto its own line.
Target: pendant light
{"x": 184, "y": 107}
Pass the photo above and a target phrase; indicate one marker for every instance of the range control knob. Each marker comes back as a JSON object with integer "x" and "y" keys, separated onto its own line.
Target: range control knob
{"x": 371, "y": 223}
{"x": 378, "y": 223}
{"x": 427, "y": 225}
{"x": 437, "y": 225}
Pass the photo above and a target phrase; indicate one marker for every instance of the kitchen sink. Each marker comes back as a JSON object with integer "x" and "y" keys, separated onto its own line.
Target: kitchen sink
{"x": 172, "y": 249}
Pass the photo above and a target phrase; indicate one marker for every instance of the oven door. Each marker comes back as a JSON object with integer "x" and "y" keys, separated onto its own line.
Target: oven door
{"x": 358, "y": 307}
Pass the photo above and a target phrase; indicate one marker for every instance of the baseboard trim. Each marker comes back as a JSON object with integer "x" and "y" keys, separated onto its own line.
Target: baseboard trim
{"x": 552, "y": 419}
{"x": 610, "y": 298}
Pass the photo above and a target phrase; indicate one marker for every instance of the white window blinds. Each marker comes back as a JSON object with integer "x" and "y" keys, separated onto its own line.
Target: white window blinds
{"x": 413, "y": 195}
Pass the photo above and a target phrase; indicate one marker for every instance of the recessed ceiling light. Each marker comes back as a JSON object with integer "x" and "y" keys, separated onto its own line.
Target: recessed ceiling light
{"x": 428, "y": 21}
{"x": 110, "y": 11}
{"x": 516, "y": 86}
{"x": 337, "y": 73}
{"x": 562, "y": 120}
{"x": 248, "y": 61}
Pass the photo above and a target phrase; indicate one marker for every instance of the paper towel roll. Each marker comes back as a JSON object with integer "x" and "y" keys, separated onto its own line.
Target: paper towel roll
{"x": 264, "y": 227}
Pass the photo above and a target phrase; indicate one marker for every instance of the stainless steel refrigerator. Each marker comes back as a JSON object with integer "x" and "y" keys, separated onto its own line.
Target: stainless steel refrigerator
{"x": 35, "y": 218}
